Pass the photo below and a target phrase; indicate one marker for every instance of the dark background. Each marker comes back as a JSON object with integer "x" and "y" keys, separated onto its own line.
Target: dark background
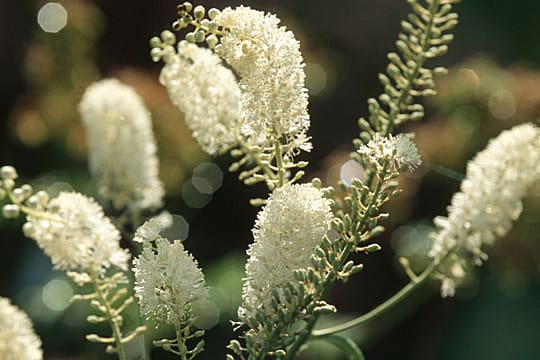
{"x": 493, "y": 318}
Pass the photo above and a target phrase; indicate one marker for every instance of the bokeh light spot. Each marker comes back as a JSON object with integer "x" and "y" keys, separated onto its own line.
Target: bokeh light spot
{"x": 351, "y": 170}
{"x": 316, "y": 78}
{"x": 56, "y": 294}
{"x": 55, "y": 189}
{"x": 207, "y": 177}
{"x": 179, "y": 229}
{"x": 206, "y": 314}
{"x": 193, "y": 197}
{"x": 52, "y": 17}
{"x": 502, "y": 104}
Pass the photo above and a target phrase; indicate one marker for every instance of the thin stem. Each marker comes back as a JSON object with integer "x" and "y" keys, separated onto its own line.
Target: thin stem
{"x": 342, "y": 258}
{"x": 388, "y": 304}
{"x": 182, "y": 350}
{"x": 30, "y": 211}
{"x": 265, "y": 167}
{"x": 279, "y": 162}
{"x": 418, "y": 62}
{"x": 117, "y": 335}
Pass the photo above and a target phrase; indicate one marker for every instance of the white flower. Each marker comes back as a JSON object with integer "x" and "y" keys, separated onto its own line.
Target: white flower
{"x": 76, "y": 235}
{"x": 399, "y": 150}
{"x": 150, "y": 230}
{"x": 489, "y": 201}
{"x": 167, "y": 280}
{"x": 208, "y": 94}
{"x": 287, "y": 230}
{"x": 17, "y": 337}
{"x": 270, "y": 67}
{"x": 121, "y": 145}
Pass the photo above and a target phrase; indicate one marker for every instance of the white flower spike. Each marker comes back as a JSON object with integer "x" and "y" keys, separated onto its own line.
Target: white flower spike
{"x": 167, "y": 278}
{"x": 288, "y": 228}
{"x": 17, "y": 337}
{"x": 122, "y": 148}
{"x": 73, "y": 231}
{"x": 489, "y": 201}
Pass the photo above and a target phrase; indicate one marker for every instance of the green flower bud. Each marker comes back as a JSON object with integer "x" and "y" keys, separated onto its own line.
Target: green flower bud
{"x": 190, "y": 37}
{"x": 155, "y": 42}
{"x": 168, "y": 37}
{"x": 212, "y": 13}
{"x": 199, "y": 12}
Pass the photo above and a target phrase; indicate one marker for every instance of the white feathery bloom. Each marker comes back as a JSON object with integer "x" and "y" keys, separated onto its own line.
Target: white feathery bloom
{"x": 267, "y": 59}
{"x": 489, "y": 201}
{"x": 167, "y": 278}
{"x": 122, "y": 148}
{"x": 400, "y": 150}
{"x": 76, "y": 235}
{"x": 17, "y": 337}
{"x": 208, "y": 94}
{"x": 287, "y": 230}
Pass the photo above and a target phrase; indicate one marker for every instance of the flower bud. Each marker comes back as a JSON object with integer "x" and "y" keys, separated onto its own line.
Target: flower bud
{"x": 11, "y": 211}
{"x": 8, "y": 172}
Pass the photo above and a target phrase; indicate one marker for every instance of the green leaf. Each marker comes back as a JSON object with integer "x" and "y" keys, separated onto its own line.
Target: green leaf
{"x": 347, "y": 345}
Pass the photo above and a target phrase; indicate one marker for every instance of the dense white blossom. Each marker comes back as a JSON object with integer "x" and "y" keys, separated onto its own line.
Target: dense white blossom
{"x": 489, "y": 200}
{"x": 208, "y": 94}
{"x": 75, "y": 234}
{"x": 122, "y": 148}
{"x": 399, "y": 150}
{"x": 17, "y": 337}
{"x": 287, "y": 230}
{"x": 270, "y": 67}
{"x": 167, "y": 278}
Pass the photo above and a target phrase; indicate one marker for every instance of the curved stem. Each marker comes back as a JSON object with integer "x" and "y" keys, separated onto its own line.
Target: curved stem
{"x": 117, "y": 335}
{"x": 385, "y": 306}
{"x": 329, "y": 282}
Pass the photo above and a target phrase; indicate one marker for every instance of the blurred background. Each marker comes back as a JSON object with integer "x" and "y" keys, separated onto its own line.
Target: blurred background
{"x": 52, "y": 51}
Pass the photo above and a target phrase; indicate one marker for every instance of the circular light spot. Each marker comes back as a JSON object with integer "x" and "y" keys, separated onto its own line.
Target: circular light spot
{"x": 316, "y": 78}
{"x": 57, "y": 294}
{"x": 206, "y": 314}
{"x": 207, "y": 177}
{"x": 55, "y": 189}
{"x": 502, "y": 104}
{"x": 178, "y": 230}
{"x": 193, "y": 197}
{"x": 52, "y": 17}
{"x": 351, "y": 170}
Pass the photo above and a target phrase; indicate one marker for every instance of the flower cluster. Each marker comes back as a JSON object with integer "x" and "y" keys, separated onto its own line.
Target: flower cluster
{"x": 400, "y": 151}
{"x": 268, "y": 61}
{"x": 122, "y": 146}
{"x": 72, "y": 230}
{"x": 17, "y": 338}
{"x": 489, "y": 201}
{"x": 167, "y": 278}
{"x": 206, "y": 91}
{"x": 287, "y": 230}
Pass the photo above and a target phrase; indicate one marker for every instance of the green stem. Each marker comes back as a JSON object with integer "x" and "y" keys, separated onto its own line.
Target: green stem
{"x": 109, "y": 312}
{"x": 418, "y": 62}
{"x": 181, "y": 342}
{"x": 342, "y": 258}
{"x": 388, "y": 304}
{"x": 265, "y": 167}
{"x": 279, "y": 162}
{"x": 32, "y": 212}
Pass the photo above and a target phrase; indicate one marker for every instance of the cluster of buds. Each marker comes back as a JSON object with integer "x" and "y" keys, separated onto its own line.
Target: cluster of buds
{"x": 205, "y": 29}
{"x": 22, "y": 197}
